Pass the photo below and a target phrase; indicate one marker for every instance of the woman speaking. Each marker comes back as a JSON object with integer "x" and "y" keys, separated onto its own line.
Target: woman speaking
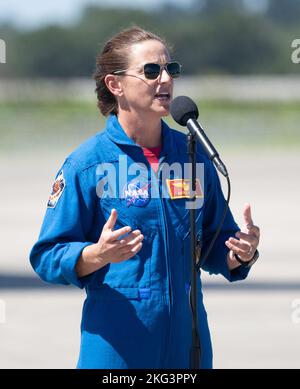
{"x": 117, "y": 223}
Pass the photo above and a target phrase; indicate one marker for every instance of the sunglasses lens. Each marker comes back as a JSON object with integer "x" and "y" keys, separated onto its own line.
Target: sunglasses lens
{"x": 174, "y": 69}
{"x": 151, "y": 71}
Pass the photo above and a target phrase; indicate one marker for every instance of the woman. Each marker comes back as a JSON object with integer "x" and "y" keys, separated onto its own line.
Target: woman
{"x": 118, "y": 227}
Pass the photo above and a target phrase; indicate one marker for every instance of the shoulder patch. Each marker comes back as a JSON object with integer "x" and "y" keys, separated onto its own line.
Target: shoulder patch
{"x": 57, "y": 190}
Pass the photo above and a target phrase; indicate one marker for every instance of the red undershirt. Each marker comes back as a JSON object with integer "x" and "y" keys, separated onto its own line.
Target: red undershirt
{"x": 152, "y": 155}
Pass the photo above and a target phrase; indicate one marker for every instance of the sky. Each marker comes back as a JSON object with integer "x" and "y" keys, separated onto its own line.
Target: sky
{"x": 34, "y": 13}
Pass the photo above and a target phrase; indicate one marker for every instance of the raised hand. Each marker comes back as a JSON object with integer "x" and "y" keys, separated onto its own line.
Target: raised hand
{"x": 248, "y": 237}
{"x": 111, "y": 247}
{"x": 114, "y": 249}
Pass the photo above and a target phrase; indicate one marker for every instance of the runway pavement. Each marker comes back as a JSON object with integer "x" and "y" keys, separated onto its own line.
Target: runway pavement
{"x": 254, "y": 323}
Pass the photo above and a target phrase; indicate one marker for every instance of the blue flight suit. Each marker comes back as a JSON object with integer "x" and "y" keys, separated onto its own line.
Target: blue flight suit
{"x": 136, "y": 314}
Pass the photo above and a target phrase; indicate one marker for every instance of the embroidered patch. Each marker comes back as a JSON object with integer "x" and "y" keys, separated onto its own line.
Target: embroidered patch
{"x": 136, "y": 193}
{"x": 57, "y": 189}
{"x": 181, "y": 188}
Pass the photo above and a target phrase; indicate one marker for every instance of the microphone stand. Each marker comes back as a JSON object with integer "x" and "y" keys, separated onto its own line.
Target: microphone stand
{"x": 195, "y": 351}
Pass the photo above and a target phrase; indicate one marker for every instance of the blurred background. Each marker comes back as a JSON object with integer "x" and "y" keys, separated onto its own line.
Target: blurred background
{"x": 241, "y": 64}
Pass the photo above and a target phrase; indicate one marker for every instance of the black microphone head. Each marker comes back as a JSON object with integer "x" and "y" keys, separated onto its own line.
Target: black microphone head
{"x": 182, "y": 109}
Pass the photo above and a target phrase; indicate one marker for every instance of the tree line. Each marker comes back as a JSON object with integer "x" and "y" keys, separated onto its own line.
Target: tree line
{"x": 209, "y": 37}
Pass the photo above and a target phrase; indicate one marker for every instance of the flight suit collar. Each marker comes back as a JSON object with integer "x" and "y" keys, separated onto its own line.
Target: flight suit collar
{"x": 115, "y": 133}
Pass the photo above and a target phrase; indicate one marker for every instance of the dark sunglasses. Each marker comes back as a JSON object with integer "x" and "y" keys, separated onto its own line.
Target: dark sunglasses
{"x": 153, "y": 70}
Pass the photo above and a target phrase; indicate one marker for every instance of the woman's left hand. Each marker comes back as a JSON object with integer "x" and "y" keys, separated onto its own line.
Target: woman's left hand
{"x": 248, "y": 238}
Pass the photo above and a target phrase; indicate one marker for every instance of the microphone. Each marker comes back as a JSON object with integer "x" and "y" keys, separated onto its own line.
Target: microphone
{"x": 185, "y": 112}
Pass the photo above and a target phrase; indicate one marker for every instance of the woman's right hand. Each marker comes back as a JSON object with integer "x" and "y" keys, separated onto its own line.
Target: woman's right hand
{"x": 110, "y": 248}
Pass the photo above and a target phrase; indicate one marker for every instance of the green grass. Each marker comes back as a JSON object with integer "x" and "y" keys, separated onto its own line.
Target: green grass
{"x": 229, "y": 124}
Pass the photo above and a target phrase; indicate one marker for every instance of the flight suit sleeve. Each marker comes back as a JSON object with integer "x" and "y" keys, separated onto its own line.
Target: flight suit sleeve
{"x": 216, "y": 262}
{"x": 63, "y": 235}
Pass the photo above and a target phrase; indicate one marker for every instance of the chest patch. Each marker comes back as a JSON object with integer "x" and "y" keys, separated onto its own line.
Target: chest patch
{"x": 180, "y": 188}
{"x": 137, "y": 193}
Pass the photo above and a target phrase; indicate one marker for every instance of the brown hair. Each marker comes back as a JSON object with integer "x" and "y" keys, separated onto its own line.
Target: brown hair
{"x": 115, "y": 56}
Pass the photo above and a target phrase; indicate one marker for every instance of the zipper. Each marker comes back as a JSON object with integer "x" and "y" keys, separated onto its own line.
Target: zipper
{"x": 163, "y": 218}
{"x": 167, "y": 245}
{"x": 163, "y": 221}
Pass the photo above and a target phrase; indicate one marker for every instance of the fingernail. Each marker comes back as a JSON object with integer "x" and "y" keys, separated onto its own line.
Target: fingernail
{"x": 237, "y": 234}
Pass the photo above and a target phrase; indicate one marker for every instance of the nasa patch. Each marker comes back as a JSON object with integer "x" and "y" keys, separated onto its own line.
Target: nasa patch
{"x": 57, "y": 190}
{"x": 136, "y": 193}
